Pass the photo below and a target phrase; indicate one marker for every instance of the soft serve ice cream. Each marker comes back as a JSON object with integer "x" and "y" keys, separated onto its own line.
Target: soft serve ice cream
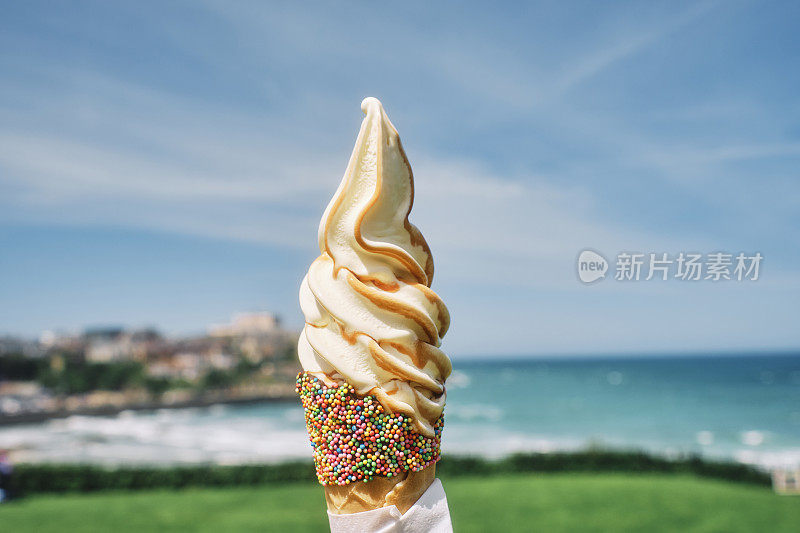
{"x": 372, "y": 321}
{"x": 372, "y": 385}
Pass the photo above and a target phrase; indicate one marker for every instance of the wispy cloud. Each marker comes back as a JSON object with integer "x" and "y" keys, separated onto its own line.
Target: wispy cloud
{"x": 595, "y": 62}
{"x": 531, "y": 136}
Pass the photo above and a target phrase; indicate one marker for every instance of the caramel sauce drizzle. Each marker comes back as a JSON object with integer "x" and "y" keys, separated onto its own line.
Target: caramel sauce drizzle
{"x": 428, "y": 400}
{"x": 390, "y": 304}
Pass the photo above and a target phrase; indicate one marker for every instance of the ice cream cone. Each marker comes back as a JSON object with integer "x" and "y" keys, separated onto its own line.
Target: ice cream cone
{"x": 401, "y": 491}
{"x": 373, "y": 380}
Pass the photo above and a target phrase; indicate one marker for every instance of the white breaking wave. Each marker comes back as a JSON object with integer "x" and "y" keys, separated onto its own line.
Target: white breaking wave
{"x": 769, "y": 459}
{"x": 273, "y": 433}
{"x": 458, "y": 380}
{"x": 166, "y": 437}
{"x": 470, "y": 412}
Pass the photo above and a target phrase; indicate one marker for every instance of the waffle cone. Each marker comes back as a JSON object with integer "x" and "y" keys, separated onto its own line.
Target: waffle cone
{"x": 401, "y": 491}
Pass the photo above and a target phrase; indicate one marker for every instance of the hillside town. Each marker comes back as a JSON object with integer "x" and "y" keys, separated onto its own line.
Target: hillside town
{"x": 110, "y": 369}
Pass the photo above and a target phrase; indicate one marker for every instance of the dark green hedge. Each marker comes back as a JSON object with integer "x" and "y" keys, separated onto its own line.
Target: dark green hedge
{"x": 602, "y": 461}
{"x": 32, "y": 479}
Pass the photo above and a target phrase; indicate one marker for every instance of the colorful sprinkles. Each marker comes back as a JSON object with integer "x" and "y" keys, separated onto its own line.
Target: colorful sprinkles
{"x": 355, "y": 439}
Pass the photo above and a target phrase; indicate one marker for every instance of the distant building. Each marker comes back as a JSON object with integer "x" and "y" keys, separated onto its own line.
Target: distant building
{"x": 247, "y": 324}
{"x": 256, "y": 336}
{"x": 190, "y": 366}
{"x": 103, "y": 333}
{"x": 16, "y": 345}
{"x": 786, "y": 481}
{"x": 72, "y": 344}
{"x": 105, "y": 345}
{"x": 109, "y": 351}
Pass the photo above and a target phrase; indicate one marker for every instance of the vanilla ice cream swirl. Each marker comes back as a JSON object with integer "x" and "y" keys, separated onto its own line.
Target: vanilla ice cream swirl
{"x": 372, "y": 320}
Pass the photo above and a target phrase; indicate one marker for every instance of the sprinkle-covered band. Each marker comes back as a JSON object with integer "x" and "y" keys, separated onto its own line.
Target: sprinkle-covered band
{"x": 355, "y": 439}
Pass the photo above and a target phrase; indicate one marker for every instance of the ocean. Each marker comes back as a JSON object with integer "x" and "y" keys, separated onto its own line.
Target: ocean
{"x": 744, "y": 408}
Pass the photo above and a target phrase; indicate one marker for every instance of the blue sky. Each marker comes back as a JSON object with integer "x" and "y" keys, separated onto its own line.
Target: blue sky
{"x": 167, "y": 163}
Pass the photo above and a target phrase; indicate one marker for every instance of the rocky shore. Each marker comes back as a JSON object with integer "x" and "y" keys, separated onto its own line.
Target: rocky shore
{"x": 107, "y": 403}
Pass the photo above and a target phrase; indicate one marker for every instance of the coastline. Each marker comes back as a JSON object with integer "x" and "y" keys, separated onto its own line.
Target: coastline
{"x": 667, "y": 407}
{"x": 205, "y": 400}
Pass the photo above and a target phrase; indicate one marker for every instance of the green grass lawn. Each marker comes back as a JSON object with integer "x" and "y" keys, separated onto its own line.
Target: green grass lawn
{"x": 546, "y": 502}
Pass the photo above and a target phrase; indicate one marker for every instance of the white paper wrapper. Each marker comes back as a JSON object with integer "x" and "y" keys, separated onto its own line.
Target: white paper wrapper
{"x": 429, "y": 515}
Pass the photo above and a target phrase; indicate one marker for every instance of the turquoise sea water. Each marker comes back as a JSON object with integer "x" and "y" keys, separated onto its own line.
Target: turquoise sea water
{"x": 747, "y": 408}
{"x": 741, "y": 407}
